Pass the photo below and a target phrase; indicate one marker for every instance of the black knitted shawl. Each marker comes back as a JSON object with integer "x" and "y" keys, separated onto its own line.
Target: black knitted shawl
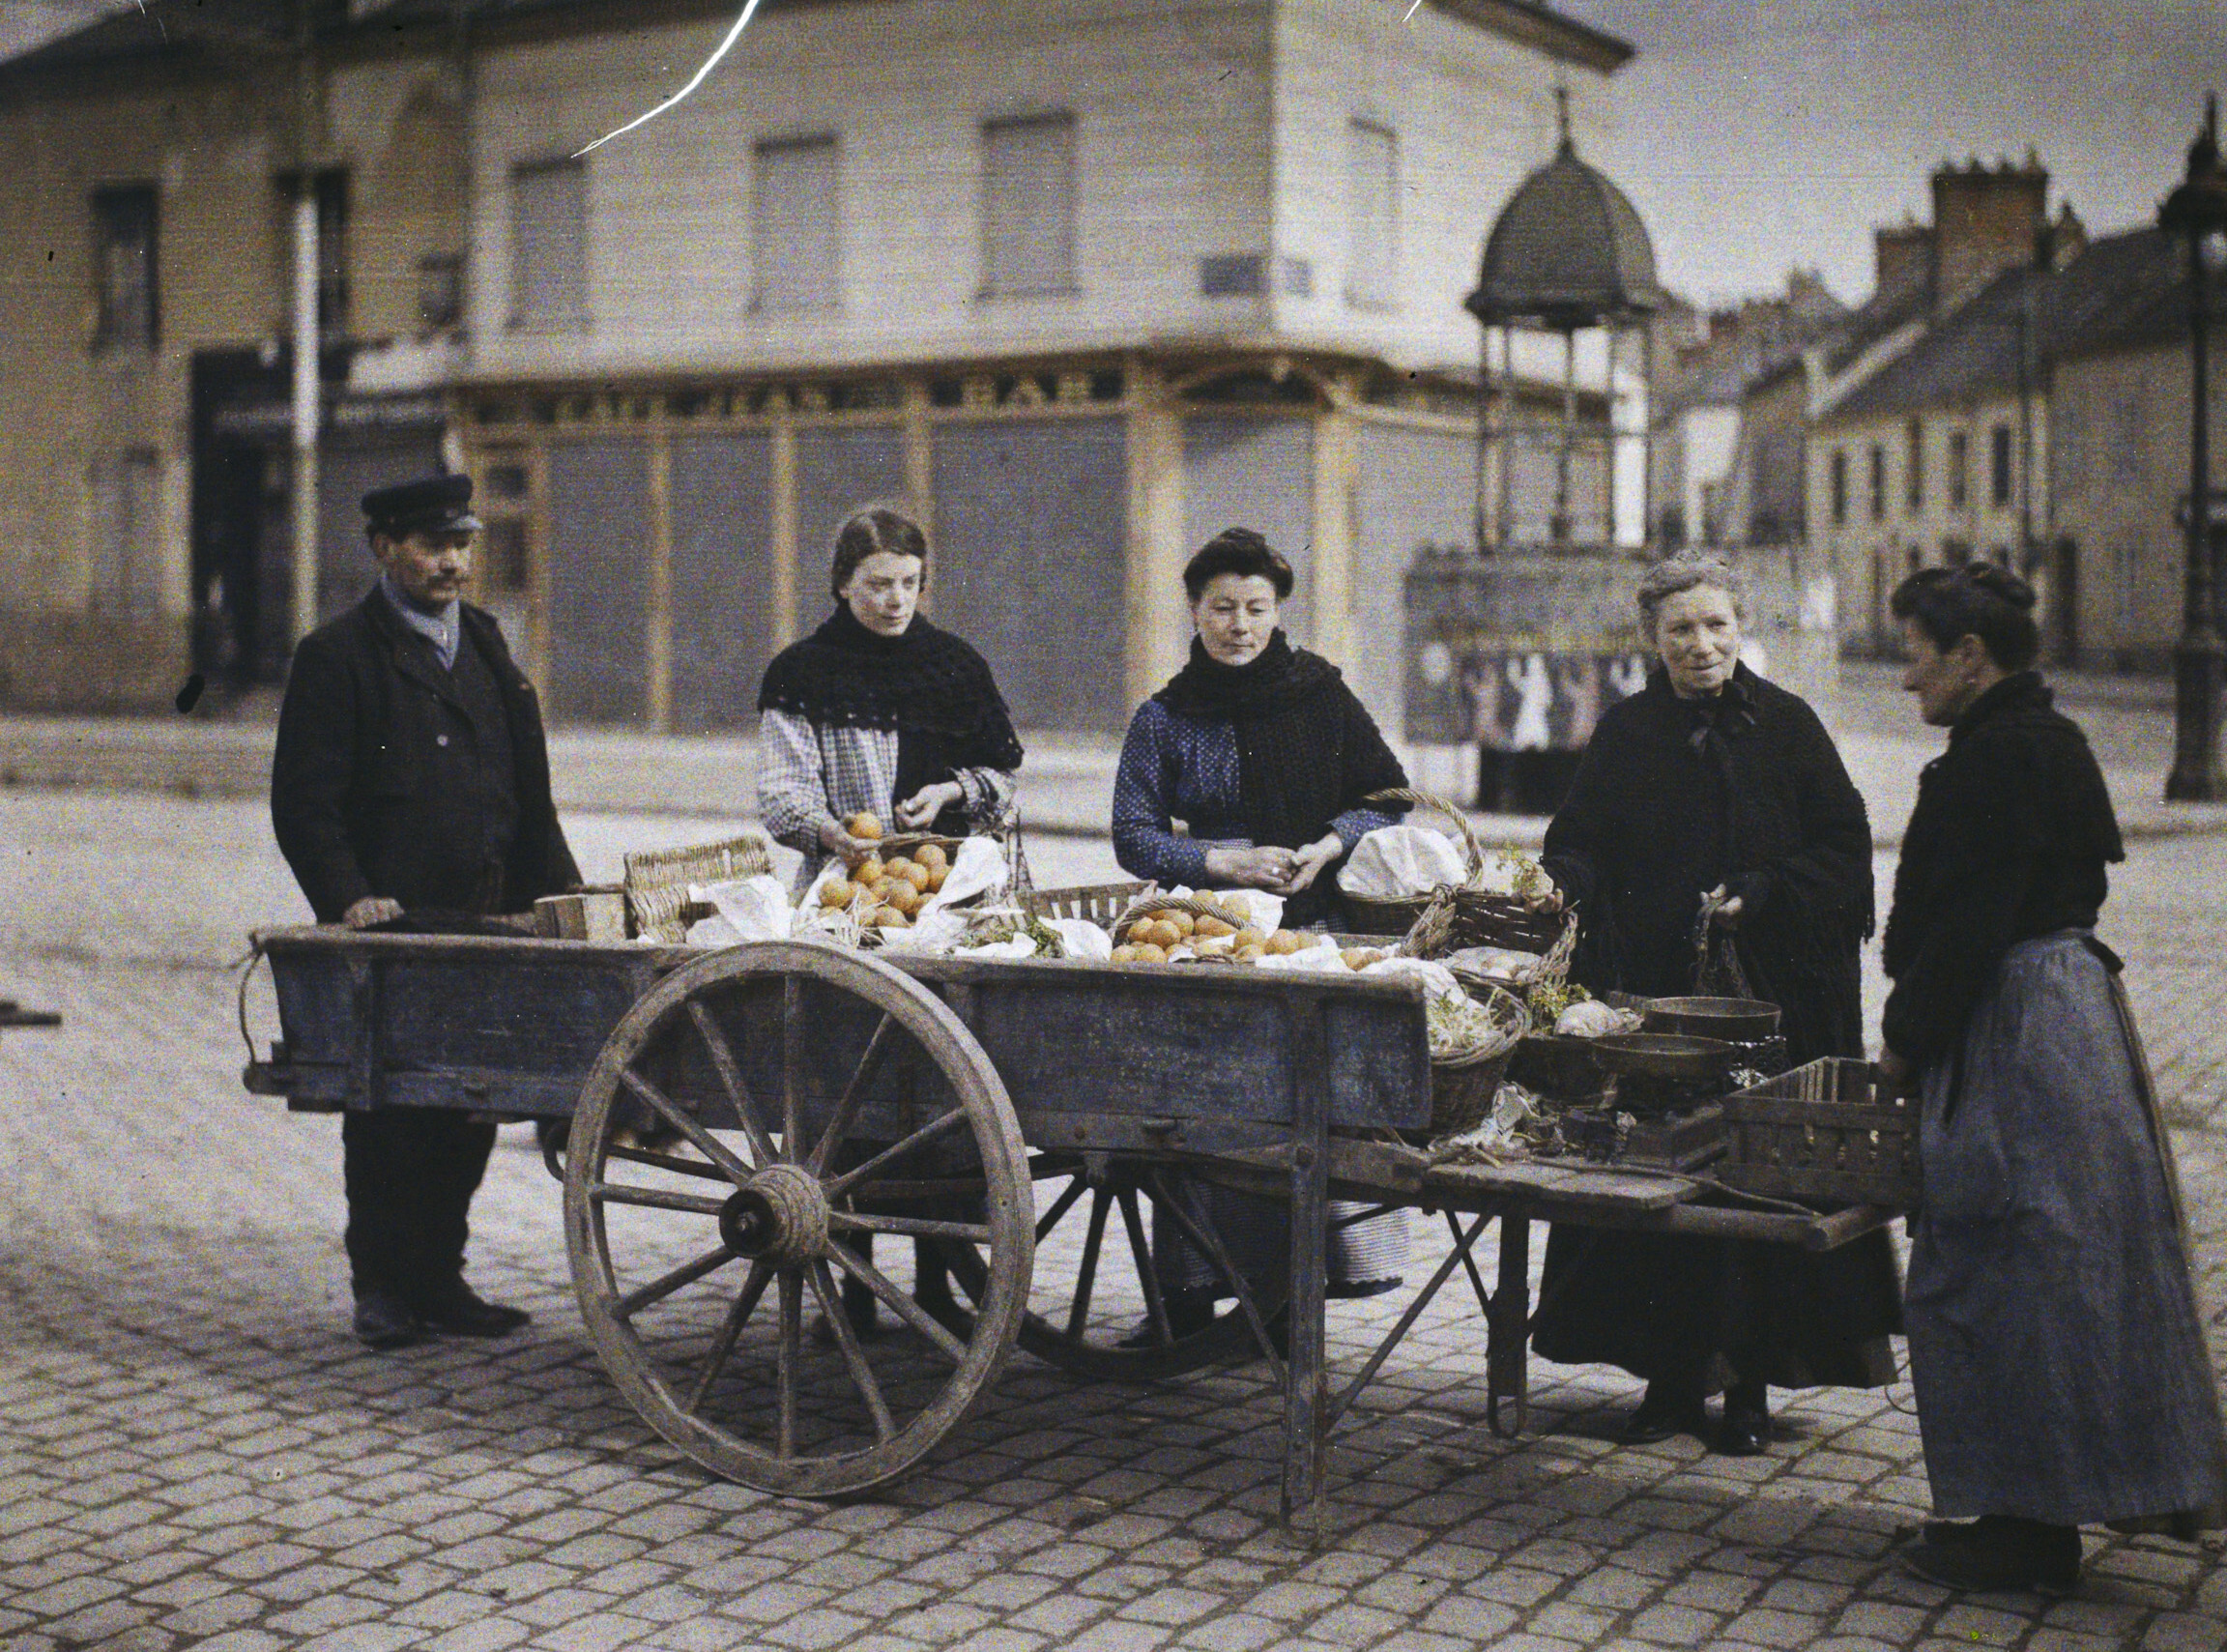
{"x": 1675, "y": 796}
{"x": 1306, "y": 748}
{"x": 925, "y": 683}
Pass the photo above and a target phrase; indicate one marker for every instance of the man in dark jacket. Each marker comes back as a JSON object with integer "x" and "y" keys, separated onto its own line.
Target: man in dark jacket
{"x": 412, "y": 776}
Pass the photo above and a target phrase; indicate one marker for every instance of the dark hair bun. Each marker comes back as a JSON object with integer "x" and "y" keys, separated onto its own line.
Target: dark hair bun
{"x": 2001, "y": 583}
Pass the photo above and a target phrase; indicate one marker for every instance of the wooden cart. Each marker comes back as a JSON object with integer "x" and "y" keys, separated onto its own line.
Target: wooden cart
{"x": 742, "y": 1125}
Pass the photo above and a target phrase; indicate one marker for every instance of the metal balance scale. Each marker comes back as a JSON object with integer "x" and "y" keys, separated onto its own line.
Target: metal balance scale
{"x": 1660, "y": 1088}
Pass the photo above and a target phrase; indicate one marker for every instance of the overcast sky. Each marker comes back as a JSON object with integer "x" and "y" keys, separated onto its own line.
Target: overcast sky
{"x": 1757, "y": 135}
{"x": 1760, "y": 134}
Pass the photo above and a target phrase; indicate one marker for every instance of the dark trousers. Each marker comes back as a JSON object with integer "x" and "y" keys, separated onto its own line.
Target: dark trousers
{"x": 411, "y": 1174}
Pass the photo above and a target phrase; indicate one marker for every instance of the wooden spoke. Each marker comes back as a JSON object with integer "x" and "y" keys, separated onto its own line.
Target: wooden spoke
{"x": 655, "y": 1199}
{"x": 1087, "y": 1270}
{"x": 822, "y": 1284}
{"x": 723, "y": 1345}
{"x": 920, "y": 1227}
{"x": 927, "y": 1133}
{"x": 1155, "y": 1304}
{"x": 688, "y": 1124}
{"x": 699, "y": 1168}
{"x": 792, "y": 1355}
{"x": 853, "y": 1093}
{"x": 658, "y": 1289}
{"x": 900, "y": 1304}
{"x": 791, "y": 1065}
{"x": 1076, "y": 1188}
{"x": 730, "y": 1073}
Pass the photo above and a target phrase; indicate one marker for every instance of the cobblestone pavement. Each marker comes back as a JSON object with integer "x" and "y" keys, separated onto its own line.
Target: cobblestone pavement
{"x": 196, "y": 1455}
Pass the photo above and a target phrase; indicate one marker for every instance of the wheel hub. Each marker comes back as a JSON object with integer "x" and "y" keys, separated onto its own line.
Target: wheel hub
{"x": 781, "y": 1217}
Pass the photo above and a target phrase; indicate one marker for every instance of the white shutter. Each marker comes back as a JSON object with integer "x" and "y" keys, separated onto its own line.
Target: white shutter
{"x": 794, "y": 224}
{"x": 1029, "y": 206}
{"x": 1373, "y": 217}
{"x": 549, "y": 245}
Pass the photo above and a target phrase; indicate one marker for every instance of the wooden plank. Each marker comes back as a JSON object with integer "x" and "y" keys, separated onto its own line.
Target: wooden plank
{"x": 1569, "y": 1186}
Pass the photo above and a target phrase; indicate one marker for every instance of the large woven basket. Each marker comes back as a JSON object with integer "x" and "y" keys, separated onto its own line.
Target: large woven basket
{"x": 1479, "y": 917}
{"x": 658, "y": 881}
{"x": 1826, "y": 1132}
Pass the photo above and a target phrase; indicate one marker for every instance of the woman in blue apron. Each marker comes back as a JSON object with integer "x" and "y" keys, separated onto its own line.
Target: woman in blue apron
{"x": 2056, "y": 1348}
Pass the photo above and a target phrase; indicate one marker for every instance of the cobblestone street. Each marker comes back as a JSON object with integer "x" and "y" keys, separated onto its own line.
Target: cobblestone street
{"x": 197, "y": 1454}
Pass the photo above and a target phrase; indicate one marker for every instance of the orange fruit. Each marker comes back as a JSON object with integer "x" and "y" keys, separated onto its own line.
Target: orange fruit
{"x": 1125, "y": 955}
{"x": 897, "y": 865}
{"x": 932, "y": 856}
{"x": 1148, "y": 952}
{"x": 837, "y": 892}
{"x": 865, "y": 823}
{"x": 935, "y": 876}
{"x": 1214, "y": 929}
{"x": 869, "y": 871}
{"x": 904, "y": 898}
{"x": 1283, "y": 944}
{"x": 1185, "y": 924}
{"x": 916, "y": 874}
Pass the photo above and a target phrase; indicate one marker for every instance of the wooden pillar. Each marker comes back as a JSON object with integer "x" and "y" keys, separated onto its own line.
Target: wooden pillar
{"x": 920, "y": 473}
{"x": 782, "y": 466}
{"x": 1157, "y": 638}
{"x": 660, "y": 639}
{"x": 1334, "y": 526}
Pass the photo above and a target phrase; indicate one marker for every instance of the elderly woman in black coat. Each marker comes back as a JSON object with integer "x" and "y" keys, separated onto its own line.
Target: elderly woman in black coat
{"x": 2056, "y": 1346}
{"x": 1712, "y": 788}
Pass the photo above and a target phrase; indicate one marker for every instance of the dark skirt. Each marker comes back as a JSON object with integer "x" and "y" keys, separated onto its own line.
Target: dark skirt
{"x": 1713, "y": 1310}
{"x": 2056, "y": 1346}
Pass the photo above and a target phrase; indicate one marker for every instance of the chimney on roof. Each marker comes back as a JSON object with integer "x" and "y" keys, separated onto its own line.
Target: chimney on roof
{"x": 1986, "y": 219}
{"x": 2068, "y": 237}
{"x": 1903, "y": 261}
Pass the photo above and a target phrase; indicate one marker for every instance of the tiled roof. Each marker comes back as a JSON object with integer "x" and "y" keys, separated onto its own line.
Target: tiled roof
{"x": 2123, "y": 290}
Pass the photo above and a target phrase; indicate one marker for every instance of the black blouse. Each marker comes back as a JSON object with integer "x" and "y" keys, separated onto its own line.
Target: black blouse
{"x": 2009, "y": 840}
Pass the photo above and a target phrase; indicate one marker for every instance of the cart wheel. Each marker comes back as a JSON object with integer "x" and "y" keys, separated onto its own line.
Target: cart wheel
{"x": 1081, "y": 1316}
{"x": 717, "y": 1180}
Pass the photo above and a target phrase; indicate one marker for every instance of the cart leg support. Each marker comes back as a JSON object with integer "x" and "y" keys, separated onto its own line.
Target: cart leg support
{"x": 1307, "y": 1390}
{"x": 1508, "y": 1329}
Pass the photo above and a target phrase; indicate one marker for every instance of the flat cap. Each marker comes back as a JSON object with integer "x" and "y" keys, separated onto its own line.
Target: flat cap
{"x": 430, "y": 505}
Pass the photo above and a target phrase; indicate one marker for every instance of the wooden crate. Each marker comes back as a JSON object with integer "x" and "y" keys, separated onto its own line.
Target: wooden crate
{"x": 1824, "y": 1132}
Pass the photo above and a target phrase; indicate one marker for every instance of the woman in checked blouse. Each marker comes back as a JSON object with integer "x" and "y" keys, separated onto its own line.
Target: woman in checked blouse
{"x": 878, "y": 712}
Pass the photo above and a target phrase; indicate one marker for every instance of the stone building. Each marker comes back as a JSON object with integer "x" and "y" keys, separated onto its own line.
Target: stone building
{"x": 1083, "y": 280}
{"x": 1935, "y": 444}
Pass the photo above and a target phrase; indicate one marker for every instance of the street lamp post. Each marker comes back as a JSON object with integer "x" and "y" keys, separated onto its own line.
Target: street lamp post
{"x": 2198, "y": 211}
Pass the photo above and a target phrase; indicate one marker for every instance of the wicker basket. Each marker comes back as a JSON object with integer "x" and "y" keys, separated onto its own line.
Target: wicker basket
{"x": 1463, "y": 1086}
{"x": 658, "y": 881}
{"x": 1824, "y": 1132}
{"x": 1477, "y": 918}
{"x": 1151, "y": 905}
{"x": 1101, "y": 904}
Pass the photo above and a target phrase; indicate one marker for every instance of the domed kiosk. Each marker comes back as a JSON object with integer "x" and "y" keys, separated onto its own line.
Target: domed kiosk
{"x": 1521, "y": 644}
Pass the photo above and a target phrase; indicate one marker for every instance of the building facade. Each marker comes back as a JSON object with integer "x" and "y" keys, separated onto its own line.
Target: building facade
{"x": 1081, "y": 281}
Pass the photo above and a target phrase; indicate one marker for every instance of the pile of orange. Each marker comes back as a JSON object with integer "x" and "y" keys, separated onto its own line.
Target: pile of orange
{"x": 888, "y": 893}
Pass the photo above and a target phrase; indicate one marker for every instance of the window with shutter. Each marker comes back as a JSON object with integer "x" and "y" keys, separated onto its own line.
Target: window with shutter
{"x": 1373, "y": 217}
{"x": 1029, "y": 206}
{"x": 124, "y": 266}
{"x": 549, "y": 245}
{"x": 795, "y": 243}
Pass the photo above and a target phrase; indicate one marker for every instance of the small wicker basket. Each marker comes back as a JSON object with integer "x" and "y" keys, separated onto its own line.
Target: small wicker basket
{"x": 1463, "y": 1085}
{"x": 1101, "y": 904}
{"x": 1824, "y": 1132}
{"x": 658, "y": 881}
{"x": 1478, "y": 917}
